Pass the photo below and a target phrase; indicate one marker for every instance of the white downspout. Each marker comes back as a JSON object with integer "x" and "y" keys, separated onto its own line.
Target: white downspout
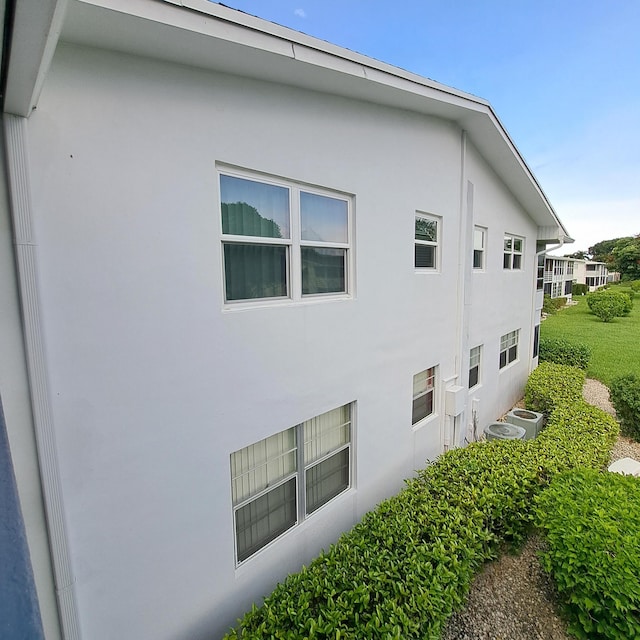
{"x": 26, "y": 258}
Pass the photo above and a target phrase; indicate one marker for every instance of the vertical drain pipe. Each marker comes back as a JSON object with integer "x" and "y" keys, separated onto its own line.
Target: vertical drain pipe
{"x": 20, "y": 201}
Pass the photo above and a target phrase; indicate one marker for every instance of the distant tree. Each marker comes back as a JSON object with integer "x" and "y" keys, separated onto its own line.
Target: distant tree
{"x": 626, "y": 257}
{"x": 580, "y": 255}
{"x": 603, "y": 251}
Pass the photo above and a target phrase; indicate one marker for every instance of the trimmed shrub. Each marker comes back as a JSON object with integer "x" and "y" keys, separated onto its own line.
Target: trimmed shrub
{"x": 625, "y": 396}
{"x": 562, "y": 351}
{"x": 635, "y": 286}
{"x": 591, "y": 521}
{"x": 579, "y": 289}
{"x": 551, "y": 385}
{"x": 609, "y": 304}
{"x": 402, "y": 571}
{"x": 551, "y": 305}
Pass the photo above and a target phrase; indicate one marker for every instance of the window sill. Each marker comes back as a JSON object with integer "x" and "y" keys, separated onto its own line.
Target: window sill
{"x": 508, "y": 366}
{"x": 285, "y": 302}
{"x": 424, "y": 422}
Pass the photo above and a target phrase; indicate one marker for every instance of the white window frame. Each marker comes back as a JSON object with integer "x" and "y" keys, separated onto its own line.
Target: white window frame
{"x": 482, "y": 250}
{"x": 475, "y": 362}
{"x": 509, "y": 342}
{"x": 294, "y": 244}
{"x": 428, "y": 243}
{"x": 298, "y": 473}
{"x": 429, "y": 389}
{"x": 511, "y": 256}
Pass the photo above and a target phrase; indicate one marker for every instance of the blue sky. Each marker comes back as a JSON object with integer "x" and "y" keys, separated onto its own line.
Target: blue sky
{"x": 562, "y": 75}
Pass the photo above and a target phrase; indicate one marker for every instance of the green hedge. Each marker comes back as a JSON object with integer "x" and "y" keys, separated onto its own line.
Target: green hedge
{"x": 579, "y": 289}
{"x": 552, "y": 384}
{"x": 562, "y": 351}
{"x": 591, "y": 521}
{"x": 551, "y": 305}
{"x": 625, "y": 396}
{"x": 402, "y": 571}
{"x": 609, "y": 304}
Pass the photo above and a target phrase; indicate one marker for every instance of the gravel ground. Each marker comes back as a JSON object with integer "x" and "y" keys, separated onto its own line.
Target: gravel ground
{"x": 512, "y": 598}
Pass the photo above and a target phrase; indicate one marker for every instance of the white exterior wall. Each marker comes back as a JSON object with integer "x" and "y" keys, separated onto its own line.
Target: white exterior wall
{"x": 598, "y": 275}
{"x": 154, "y": 383}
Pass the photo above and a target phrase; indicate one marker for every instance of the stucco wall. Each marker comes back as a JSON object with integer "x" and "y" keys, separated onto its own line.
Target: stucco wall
{"x": 154, "y": 383}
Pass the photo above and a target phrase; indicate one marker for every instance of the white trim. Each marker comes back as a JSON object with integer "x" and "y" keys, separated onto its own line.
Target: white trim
{"x": 26, "y": 256}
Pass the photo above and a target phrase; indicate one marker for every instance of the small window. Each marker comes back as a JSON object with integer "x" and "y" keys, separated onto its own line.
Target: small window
{"x": 282, "y": 241}
{"x": 282, "y": 479}
{"x": 509, "y": 348}
{"x": 536, "y": 341}
{"x": 540, "y": 274}
{"x": 426, "y": 241}
{"x": 479, "y": 236}
{"x": 513, "y": 249}
{"x": 423, "y": 395}
{"x": 474, "y": 366}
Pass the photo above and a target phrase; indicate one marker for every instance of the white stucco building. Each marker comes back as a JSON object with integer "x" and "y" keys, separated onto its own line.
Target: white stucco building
{"x": 593, "y": 274}
{"x": 559, "y": 276}
{"x": 250, "y": 282}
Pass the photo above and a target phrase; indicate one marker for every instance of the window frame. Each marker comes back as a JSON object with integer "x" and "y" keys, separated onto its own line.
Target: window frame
{"x": 436, "y": 244}
{"x": 509, "y": 342}
{"x": 482, "y": 251}
{"x": 475, "y": 362}
{"x": 299, "y": 474}
{"x": 294, "y": 244}
{"x": 510, "y": 255}
{"x": 428, "y": 391}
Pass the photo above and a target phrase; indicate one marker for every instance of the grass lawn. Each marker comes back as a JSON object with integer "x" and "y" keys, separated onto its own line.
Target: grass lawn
{"x": 615, "y": 345}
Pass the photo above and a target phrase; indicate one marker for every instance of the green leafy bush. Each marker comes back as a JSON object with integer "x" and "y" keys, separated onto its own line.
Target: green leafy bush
{"x": 609, "y": 304}
{"x": 564, "y": 352}
{"x": 551, "y": 305}
{"x": 625, "y": 395}
{"x": 551, "y": 385}
{"x": 579, "y": 289}
{"x": 635, "y": 286}
{"x": 402, "y": 571}
{"x": 591, "y": 521}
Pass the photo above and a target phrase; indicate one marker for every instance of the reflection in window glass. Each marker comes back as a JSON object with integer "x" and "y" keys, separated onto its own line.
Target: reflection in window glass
{"x": 323, "y": 219}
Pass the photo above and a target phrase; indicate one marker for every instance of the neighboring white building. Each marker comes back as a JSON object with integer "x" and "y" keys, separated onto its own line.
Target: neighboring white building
{"x": 593, "y": 274}
{"x": 260, "y": 280}
{"x": 558, "y": 276}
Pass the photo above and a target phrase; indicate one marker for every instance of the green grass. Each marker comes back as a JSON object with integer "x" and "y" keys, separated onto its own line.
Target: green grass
{"x": 615, "y": 345}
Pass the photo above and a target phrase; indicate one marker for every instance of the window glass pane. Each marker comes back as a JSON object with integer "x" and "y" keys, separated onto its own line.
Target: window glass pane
{"x": 473, "y": 376}
{"x": 255, "y": 271}
{"x": 325, "y": 433}
{"x": 517, "y": 245}
{"x": 422, "y": 407}
{"x": 264, "y": 519}
{"x": 264, "y": 463}
{"x": 326, "y": 480}
{"x": 513, "y": 353}
{"x": 426, "y": 229}
{"x": 323, "y": 270}
{"x": 425, "y": 256}
{"x": 252, "y": 208}
{"x": 508, "y": 243}
{"x": 517, "y": 261}
{"x": 477, "y": 259}
{"x": 478, "y": 239}
{"x": 474, "y": 357}
{"x": 323, "y": 219}
{"x": 506, "y": 262}
{"x": 503, "y": 359}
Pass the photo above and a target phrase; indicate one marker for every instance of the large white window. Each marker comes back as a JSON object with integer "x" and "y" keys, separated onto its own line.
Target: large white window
{"x": 423, "y": 395}
{"x": 509, "y": 348}
{"x": 513, "y": 249}
{"x": 479, "y": 240}
{"x": 427, "y": 237}
{"x": 282, "y": 240}
{"x": 279, "y": 481}
{"x": 475, "y": 356}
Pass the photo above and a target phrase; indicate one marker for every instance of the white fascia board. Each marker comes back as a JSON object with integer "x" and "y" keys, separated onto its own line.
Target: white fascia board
{"x": 34, "y": 36}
